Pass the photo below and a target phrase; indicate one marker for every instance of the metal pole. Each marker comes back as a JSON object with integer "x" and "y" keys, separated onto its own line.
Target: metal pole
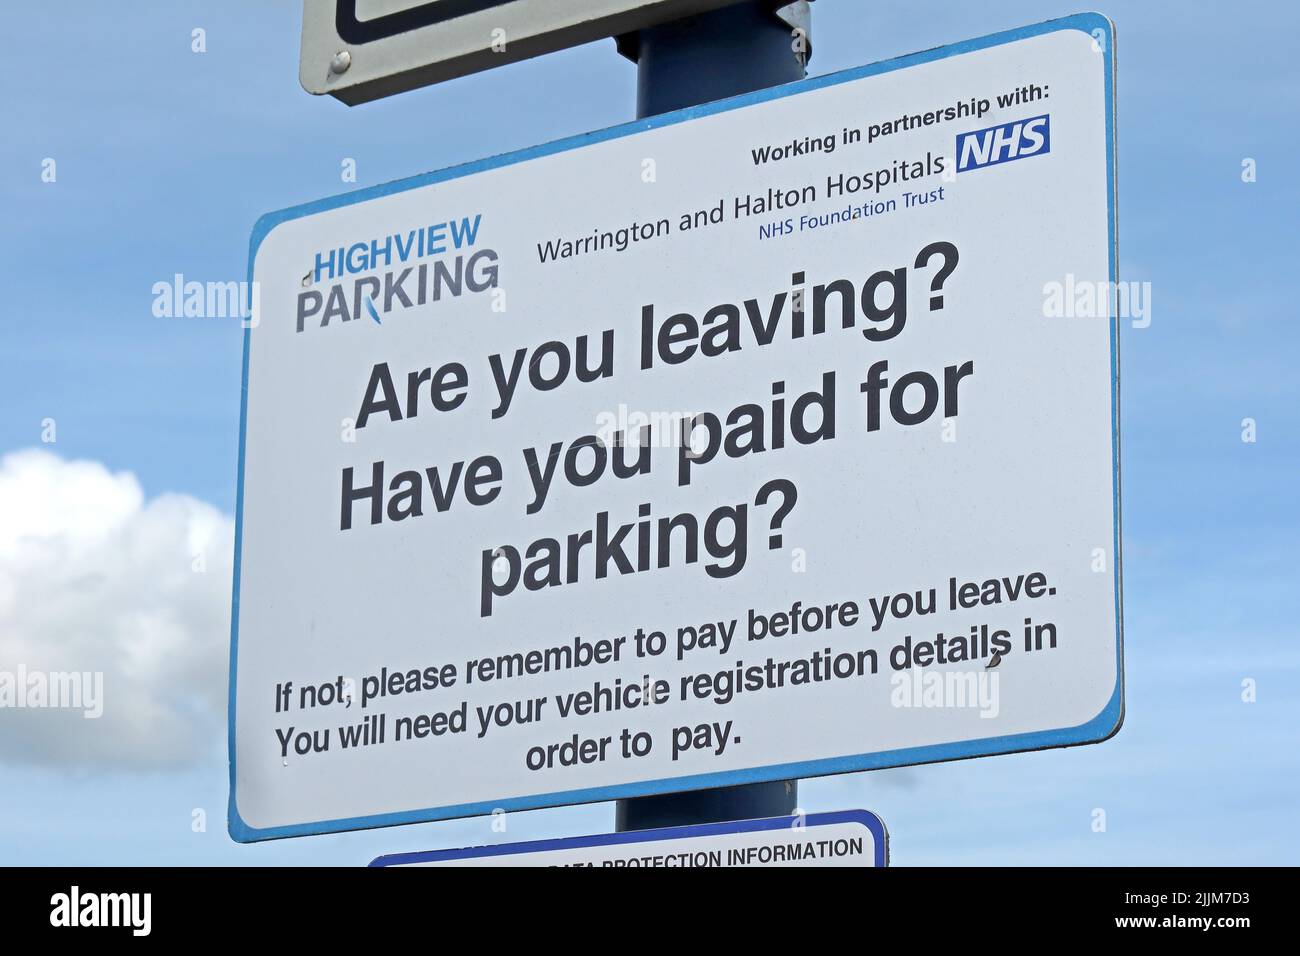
{"x": 744, "y": 47}
{"x": 740, "y": 48}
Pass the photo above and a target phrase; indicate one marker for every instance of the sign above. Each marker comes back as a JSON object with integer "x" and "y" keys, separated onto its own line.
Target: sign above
{"x": 843, "y": 838}
{"x": 360, "y": 50}
{"x": 747, "y": 443}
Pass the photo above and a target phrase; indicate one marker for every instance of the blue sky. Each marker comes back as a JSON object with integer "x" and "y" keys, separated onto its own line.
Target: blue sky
{"x": 165, "y": 158}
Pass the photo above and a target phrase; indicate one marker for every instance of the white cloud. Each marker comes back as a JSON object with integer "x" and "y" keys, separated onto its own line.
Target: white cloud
{"x": 95, "y": 579}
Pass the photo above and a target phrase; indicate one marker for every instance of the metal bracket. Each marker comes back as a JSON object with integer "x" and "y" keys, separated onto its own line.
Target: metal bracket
{"x": 796, "y": 15}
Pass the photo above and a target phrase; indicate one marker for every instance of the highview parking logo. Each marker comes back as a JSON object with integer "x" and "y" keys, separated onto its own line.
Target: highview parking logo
{"x": 1003, "y": 143}
{"x": 370, "y": 278}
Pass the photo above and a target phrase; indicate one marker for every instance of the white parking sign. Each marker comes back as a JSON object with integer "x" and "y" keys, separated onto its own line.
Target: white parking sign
{"x": 772, "y": 438}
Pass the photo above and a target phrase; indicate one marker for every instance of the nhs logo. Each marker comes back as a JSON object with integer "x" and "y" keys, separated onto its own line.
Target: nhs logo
{"x": 1000, "y": 144}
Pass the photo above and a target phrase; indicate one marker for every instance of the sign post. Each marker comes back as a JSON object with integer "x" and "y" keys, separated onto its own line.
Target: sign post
{"x": 723, "y": 53}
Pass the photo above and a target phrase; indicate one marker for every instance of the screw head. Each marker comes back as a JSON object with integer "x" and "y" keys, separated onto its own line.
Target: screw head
{"x": 340, "y": 62}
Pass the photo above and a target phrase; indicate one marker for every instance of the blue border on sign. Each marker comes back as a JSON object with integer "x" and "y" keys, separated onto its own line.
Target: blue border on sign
{"x": 873, "y": 823}
{"x": 1100, "y": 728}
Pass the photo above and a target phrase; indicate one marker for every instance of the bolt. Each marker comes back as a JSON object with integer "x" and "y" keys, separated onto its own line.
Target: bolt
{"x": 340, "y": 63}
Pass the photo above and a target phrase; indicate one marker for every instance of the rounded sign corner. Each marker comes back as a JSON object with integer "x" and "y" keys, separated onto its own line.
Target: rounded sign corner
{"x": 239, "y": 831}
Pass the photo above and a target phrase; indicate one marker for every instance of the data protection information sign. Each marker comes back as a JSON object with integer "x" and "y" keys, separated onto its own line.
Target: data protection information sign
{"x": 843, "y": 838}
{"x": 768, "y": 439}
